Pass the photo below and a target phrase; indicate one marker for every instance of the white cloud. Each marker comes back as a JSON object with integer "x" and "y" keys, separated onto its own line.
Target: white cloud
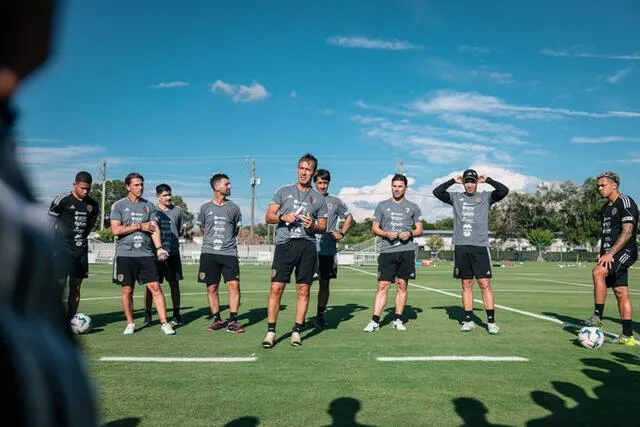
{"x": 474, "y": 49}
{"x": 619, "y": 75}
{"x": 536, "y": 152}
{"x": 502, "y": 78}
{"x": 369, "y": 43}
{"x": 452, "y": 72}
{"x": 293, "y": 94}
{"x": 477, "y": 124}
{"x": 48, "y": 155}
{"x": 574, "y": 54}
{"x": 602, "y": 139}
{"x": 241, "y": 93}
{"x": 176, "y": 83}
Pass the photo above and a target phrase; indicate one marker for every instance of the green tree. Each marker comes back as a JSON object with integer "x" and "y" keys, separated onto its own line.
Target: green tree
{"x": 435, "y": 243}
{"x": 177, "y": 200}
{"x": 115, "y": 190}
{"x": 261, "y": 229}
{"x": 106, "y": 235}
{"x": 443, "y": 224}
{"x": 581, "y": 212}
{"x": 541, "y": 239}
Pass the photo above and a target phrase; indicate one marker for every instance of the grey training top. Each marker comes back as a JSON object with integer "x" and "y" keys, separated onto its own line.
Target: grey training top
{"x": 397, "y": 217}
{"x": 291, "y": 199}
{"x": 220, "y": 223}
{"x": 471, "y": 218}
{"x": 138, "y": 243}
{"x": 336, "y": 209}
{"x": 171, "y": 224}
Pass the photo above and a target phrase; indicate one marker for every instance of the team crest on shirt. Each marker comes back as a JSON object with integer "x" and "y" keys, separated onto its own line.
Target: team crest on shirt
{"x": 120, "y": 277}
{"x": 273, "y": 273}
{"x": 329, "y": 205}
{"x": 229, "y": 212}
{"x": 175, "y": 218}
{"x": 145, "y": 209}
{"x": 89, "y": 208}
{"x": 478, "y": 199}
{"x": 312, "y": 200}
{"x": 202, "y": 275}
{"x": 614, "y": 211}
{"x": 407, "y": 210}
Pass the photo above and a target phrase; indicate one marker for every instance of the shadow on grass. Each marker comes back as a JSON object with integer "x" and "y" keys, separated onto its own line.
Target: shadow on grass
{"x": 410, "y": 313}
{"x": 247, "y": 421}
{"x": 334, "y": 316}
{"x": 343, "y": 412}
{"x": 614, "y": 400}
{"x": 473, "y": 412}
{"x": 124, "y": 422}
{"x": 456, "y": 313}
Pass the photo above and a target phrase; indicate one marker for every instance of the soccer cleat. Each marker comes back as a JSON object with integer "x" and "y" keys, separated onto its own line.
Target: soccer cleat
{"x": 493, "y": 329}
{"x": 372, "y": 326}
{"x": 130, "y": 329}
{"x": 147, "y": 320}
{"x": 467, "y": 326}
{"x": 321, "y": 323}
{"x": 167, "y": 329}
{"x": 269, "y": 340}
{"x": 234, "y": 326}
{"x": 217, "y": 325}
{"x": 296, "y": 341}
{"x": 625, "y": 340}
{"x": 399, "y": 325}
{"x": 594, "y": 321}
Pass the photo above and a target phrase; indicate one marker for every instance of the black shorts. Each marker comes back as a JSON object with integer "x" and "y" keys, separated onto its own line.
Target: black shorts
{"x": 213, "y": 266}
{"x": 171, "y": 268}
{"x": 328, "y": 266}
{"x": 300, "y": 254}
{"x": 618, "y": 273}
{"x": 73, "y": 265}
{"x": 472, "y": 262}
{"x": 396, "y": 264}
{"x": 129, "y": 270}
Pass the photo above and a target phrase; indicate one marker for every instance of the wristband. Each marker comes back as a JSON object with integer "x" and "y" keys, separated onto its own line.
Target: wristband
{"x": 160, "y": 247}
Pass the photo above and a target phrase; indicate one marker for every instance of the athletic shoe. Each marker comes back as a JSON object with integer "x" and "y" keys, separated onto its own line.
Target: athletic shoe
{"x": 399, "y": 325}
{"x": 625, "y": 340}
{"x": 296, "y": 341}
{"x": 234, "y": 326}
{"x": 594, "y": 321}
{"x": 493, "y": 329}
{"x": 176, "y": 321}
{"x": 269, "y": 340}
{"x": 372, "y": 326}
{"x": 167, "y": 329}
{"x": 147, "y": 320}
{"x": 467, "y": 326}
{"x": 217, "y": 325}
{"x": 130, "y": 329}
{"x": 321, "y": 323}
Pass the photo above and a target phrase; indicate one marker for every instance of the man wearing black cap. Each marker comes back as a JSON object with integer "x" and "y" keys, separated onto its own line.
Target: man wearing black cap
{"x": 471, "y": 240}
{"x": 618, "y": 251}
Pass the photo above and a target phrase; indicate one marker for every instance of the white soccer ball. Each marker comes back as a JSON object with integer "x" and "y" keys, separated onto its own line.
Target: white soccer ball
{"x": 590, "y": 337}
{"x": 80, "y": 323}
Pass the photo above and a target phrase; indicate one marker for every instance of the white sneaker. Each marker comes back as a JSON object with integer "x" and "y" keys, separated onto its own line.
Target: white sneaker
{"x": 131, "y": 328}
{"x": 296, "y": 341}
{"x": 467, "y": 326}
{"x": 269, "y": 340}
{"x": 399, "y": 325}
{"x": 493, "y": 329}
{"x": 372, "y": 326}
{"x": 167, "y": 329}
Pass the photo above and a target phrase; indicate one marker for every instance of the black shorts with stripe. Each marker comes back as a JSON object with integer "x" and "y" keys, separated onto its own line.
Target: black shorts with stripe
{"x": 392, "y": 265}
{"x": 129, "y": 270}
{"x": 214, "y": 266}
{"x": 298, "y": 254}
{"x": 619, "y": 271}
{"x": 328, "y": 267}
{"x": 171, "y": 268}
{"x": 73, "y": 265}
{"x": 472, "y": 262}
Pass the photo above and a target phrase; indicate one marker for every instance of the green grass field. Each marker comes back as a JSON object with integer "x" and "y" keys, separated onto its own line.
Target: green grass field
{"x": 335, "y": 377}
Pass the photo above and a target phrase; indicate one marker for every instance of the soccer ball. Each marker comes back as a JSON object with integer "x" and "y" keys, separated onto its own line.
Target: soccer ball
{"x": 590, "y": 337}
{"x": 80, "y": 323}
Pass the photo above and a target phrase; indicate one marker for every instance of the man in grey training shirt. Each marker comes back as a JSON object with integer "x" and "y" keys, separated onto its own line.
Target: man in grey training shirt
{"x": 299, "y": 212}
{"x": 397, "y": 221}
{"x": 471, "y": 240}
{"x": 219, "y": 221}
{"x": 327, "y": 242}
{"x": 137, "y": 245}
{"x": 172, "y": 223}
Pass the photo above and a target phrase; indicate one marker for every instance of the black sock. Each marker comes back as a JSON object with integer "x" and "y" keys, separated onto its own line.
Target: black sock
{"x": 598, "y": 310}
{"x": 216, "y": 316}
{"x": 271, "y": 327}
{"x": 233, "y": 316}
{"x": 375, "y": 318}
{"x": 468, "y": 315}
{"x": 627, "y": 327}
{"x": 147, "y": 313}
{"x": 321, "y": 311}
{"x": 397, "y": 316}
{"x": 297, "y": 327}
{"x": 491, "y": 316}
{"x": 176, "y": 313}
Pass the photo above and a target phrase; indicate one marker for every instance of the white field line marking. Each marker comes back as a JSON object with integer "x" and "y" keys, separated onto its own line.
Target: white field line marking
{"x": 503, "y": 307}
{"x": 572, "y": 283}
{"x": 178, "y": 359}
{"x": 452, "y": 358}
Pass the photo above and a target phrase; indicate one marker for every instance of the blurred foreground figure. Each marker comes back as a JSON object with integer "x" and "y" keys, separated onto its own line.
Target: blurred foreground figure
{"x": 41, "y": 369}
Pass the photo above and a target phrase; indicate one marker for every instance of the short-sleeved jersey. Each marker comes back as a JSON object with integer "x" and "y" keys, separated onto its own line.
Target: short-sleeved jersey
{"x": 336, "y": 210}
{"x": 74, "y": 220}
{"x": 221, "y": 224}
{"x": 397, "y": 217}
{"x": 622, "y": 211}
{"x": 291, "y": 199}
{"x": 171, "y": 222}
{"x": 471, "y": 218}
{"x": 138, "y": 243}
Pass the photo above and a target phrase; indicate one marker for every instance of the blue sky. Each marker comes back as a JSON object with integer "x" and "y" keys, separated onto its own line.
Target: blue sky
{"x": 522, "y": 93}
